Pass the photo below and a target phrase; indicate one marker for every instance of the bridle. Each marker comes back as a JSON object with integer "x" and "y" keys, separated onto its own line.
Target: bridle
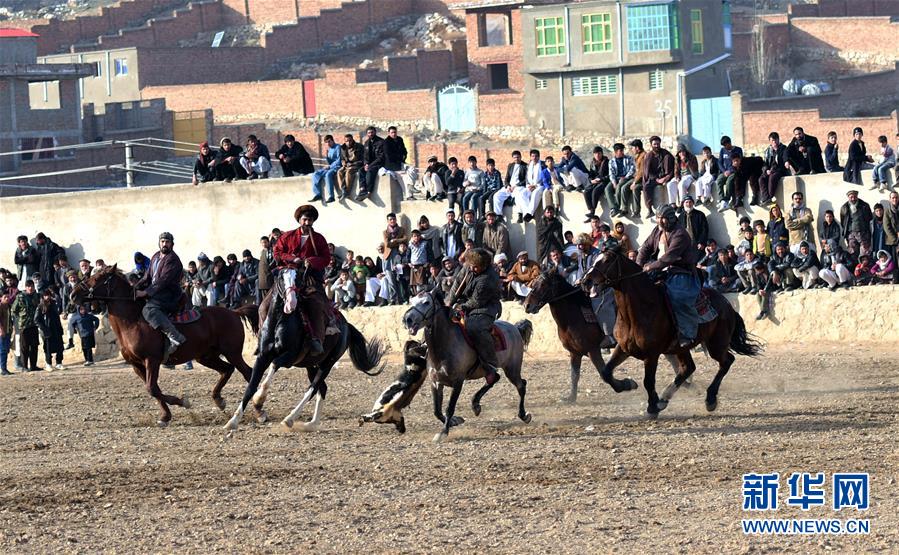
{"x": 427, "y": 315}
{"x": 609, "y": 281}
{"x": 574, "y": 291}
{"x": 90, "y": 292}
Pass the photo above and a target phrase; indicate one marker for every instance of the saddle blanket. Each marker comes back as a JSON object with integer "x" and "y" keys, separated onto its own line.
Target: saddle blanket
{"x": 499, "y": 340}
{"x": 185, "y": 316}
{"x": 704, "y": 307}
{"x": 589, "y": 315}
{"x": 334, "y": 318}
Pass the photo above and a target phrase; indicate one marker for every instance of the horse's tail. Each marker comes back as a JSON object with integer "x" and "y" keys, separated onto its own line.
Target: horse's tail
{"x": 742, "y": 342}
{"x": 249, "y": 314}
{"x": 366, "y": 355}
{"x": 526, "y": 329}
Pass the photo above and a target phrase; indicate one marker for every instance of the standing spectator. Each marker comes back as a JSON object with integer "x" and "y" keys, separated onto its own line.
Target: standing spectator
{"x": 806, "y": 265}
{"x": 619, "y": 234}
{"x": 455, "y": 183}
{"x": 202, "y": 284}
{"x": 527, "y": 198}
{"x": 435, "y": 179}
{"x": 761, "y": 243}
{"x": 85, "y": 324}
{"x": 61, "y": 274}
{"x": 686, "y": 172}
{"x": 227, "y": 162}
{"x": 695, "y": 222}
{"x": 882, "y": 169}
{"x": 858, "y": 157}
{"x": 799, "y": 222}
{"x": 328, "y": 174}
{"x": 658, "y": 170}
{"x": 432, "y": 235}
{"x": 496, "y": 236}
{"x": 294, "y": 158}
{"x": 48, "y": 252}
{"x": 516, "y": 177}
{"x": 26, "y": 258}
{"x": 7, "y": 295}
{"x": 804, "y": 154}
{"x": 549, "y": 234}
{"x": 833, "y": 266}
{"x": 351, "y": 161}
{"x": 419, "y": 260}
{"x": 726, "y": 176}
{"x": 621, "y": 176}
{"x": 830, "y": 229}
{"x": 451, "y": 236}
{"x": 832, "y": 154}
{"x": 84, "y": 269}
{"x": 256, "y": 159}
{"x": 23, "y": 310}
{"x": 522, "y": 274}
{"x": 775, "y": 168}
{"x": 264, "y": 279}
{"x": 599, "y": 178}
{"x": 393, "y": 235}
{"x": 400, "y": 264}
{"x": 471, "y": 228}
{"x": 855, "y": 219}
{"x": 573, "y": 170}
{"x": 493, "y": 181}
{"x": 475, "y": 187}
{"x": 891, "y": 226}
{"x": 878, "y": 236}
{"x": 50, "y": 327}
{"x": 708, "y": 173}
{"x": 394, "y": 151}
{"x": 204, "y": 169}
{"x": 373, "y": 157}
{"x": 776, "y": 227}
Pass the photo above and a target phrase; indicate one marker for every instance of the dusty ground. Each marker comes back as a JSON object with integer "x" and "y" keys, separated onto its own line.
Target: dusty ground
{"x": 84, "y": 470}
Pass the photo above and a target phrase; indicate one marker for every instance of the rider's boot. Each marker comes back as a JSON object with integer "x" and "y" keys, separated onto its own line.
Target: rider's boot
{"x": 175, "y": 338}
{"x": 315, "y": 346}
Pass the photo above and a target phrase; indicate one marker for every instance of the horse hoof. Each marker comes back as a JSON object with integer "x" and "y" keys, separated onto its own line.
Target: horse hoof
{"x": 287, "y": 425}
{"x": 219, "y": 403}
{"x": 569, "y": 400}
{"x": 185, "y": 403}
{"x": 258, "y": 400}
{"x": 310, "y": 426}
{"x": 526, "y": 418}
{"x": 476, "y": 409}
{"x": 457, "y": 421}
{"x": 711, "y": 406}
{"x": 401, "y": 426}
{"x": 652, "y": 415}
{"x": 230, "y": 427}
{"x": 439, "y": 438}
{"x": 661, "y": 404}
{"x": 629, "y": 384}
{"x": 162, "y": 423}
{"x": 261, "y": 416}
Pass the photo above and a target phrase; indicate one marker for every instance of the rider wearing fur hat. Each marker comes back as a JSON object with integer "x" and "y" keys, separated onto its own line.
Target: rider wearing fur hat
{"x": 670, "y": 248}
{"x": 161, "y": 286}
{"x": 307, "y": 250}
{"x": 477, "y": 294}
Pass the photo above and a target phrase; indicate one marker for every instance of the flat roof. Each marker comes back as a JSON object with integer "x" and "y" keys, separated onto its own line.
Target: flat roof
{"x": 14, "y": 32}
{"x": 46, "y": 72}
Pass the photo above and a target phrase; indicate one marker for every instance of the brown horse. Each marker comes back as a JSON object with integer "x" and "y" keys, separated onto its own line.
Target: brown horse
{"x": 219, "y": 332}
{"x": 570, "y": 308}
{"x": 645, "y": 329}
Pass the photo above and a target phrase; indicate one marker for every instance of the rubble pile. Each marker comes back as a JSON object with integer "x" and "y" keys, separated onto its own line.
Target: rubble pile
{"x": 48, "y": 9}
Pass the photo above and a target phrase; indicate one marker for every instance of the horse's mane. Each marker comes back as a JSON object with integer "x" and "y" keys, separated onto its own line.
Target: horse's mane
{"x": 581, "y": 299}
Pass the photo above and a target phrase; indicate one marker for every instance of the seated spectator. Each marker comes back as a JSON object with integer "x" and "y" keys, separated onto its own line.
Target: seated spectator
{"x": 522, "y": 274}
{"x": 221, "y": 276}
{"x": 632, "y": 256}
{"x": 887, "y": 161}
{"x": 746, "y": 271}
{"x": 806, "y": 265}
{"x": 708, "y": 174}
{"x": 294, "y": 158}
{"x": 435, "y": 179}
{"x": 377, "y": 286}
{"x": 722, "y": 276}
{"x": 227, "y": 162}
{"x": 249, "y": 267}
{"x": 775, "y": 168}
{"x": 780, "y": 269}
{"x": 242, "y": 292}
{"x": 493, "y": 182}
{"x": 685, "y": 173}
{"x": 204, "y": 168}
{"x": 599, "y": 176}
{"x": 552, "y": 194}
{"x": 830, "y": 229}
{"x": 573, "y": 171}
{"x": 833, "y": 266}
{"x": 455, "y": 184}
{"x": 623, "y": 239}
{"x": 560, "y": 264}
{"x": 256, "y": 159}
{"x": 475, "y": 187}
{"x": 373, "y": 161}
{"x": 832, "y": 154}
{"x": 332, "y": 272}
{"x": 351, "y": 162}
{"x": 862, "y": 272}
{"x": 725, "y": 181}
{"x": 85, "y": 324}
{"x": 343, "y": 291}
{"x": 516, "y": 176}
{"x": 804, "y": 154}
{"x": 622, "y": 171}
{"x": 746, "y": 169}
{"x": 200, "y": 288}
{"x": 708, "y": 257}
{"x": 328, "y": 174}
{"x": 569, "y": 248}
{"x": 884, "y": 269}
{"x": 527, "y": 198}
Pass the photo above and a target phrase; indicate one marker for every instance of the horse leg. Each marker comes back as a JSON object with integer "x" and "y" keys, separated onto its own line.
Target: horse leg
{"x": 711, "y": 396}
{"x": 617, "y": 357}
{"x": 476, "y": 400}
{"x": 437, "y": 397}
{"x": 521, "y": 385}
{"x": 262, "y": 393}
{"x": 574, "y": 366}
{"x": 686, "y": 367}
{"x": 225, "y": 370}
{"x": 450, "y": 410}
{"x": 262, "y": 361}
{"x": 653, "y": 407}
{"x": 164, "y": 401}
{"x": 314, "y": 424}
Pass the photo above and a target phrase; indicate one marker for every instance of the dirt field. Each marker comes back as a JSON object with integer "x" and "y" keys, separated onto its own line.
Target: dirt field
{"x": 85, "y": 470}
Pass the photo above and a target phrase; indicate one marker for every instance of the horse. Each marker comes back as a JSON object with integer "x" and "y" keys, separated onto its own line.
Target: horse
{"x": 218, "y": 333}
{"x": 578, "y": 329}
{"x": 645, "y": 329}
{"x": 452, "y": 361}
{"x": 283, "y": 347}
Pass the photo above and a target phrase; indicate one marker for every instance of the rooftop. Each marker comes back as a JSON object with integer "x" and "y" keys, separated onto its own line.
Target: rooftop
{"x": 46, "y": 72}
{"x": 15, "y": 33}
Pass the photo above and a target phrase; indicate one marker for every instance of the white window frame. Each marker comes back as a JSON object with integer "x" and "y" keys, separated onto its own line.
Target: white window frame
{"x": 121, "y": 67}
{"x": 594, "y": 85}
{"x": 541, "y": 84}
{"x": 656, "y": 80}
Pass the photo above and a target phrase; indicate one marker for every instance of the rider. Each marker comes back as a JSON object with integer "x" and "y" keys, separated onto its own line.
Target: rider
{"x": 477, "y": 294}
{"x": 670, "y": 248}
{"x": 304, "y": 248}
{"x": 161, "y": 286}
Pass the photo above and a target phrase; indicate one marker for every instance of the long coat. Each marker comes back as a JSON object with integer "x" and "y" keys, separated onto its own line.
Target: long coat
{"x": 858, "y": 156}
{"x": 264, "y": 281}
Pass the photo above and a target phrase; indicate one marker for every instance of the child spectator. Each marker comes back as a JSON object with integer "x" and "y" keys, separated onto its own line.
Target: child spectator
{"x": 455, "y": 182}
{"x": 418, "y": 259}
{"x": 85, "y": 324}
{"x": 883, "y": 270}
{"x": 746, "y": 272}
{"x": 833, "y": 266}
{"x": 862, "y": 271}
{"x": 475, "y": 187}
{"x": 402, "y": 270}
{"x": 493, "y": 181}
{"x": 830, "y": 229}
{"x": 882, "y": 170}
{"x": 761, "y": 243}
{"x": 745, "y": 244}
{"x": 47, "y": 319}
{"x": 344, "y": 291}
{"x": 832, "y": 154}
{"x": 806, "y": 265}
{"x": 878, "y": 236}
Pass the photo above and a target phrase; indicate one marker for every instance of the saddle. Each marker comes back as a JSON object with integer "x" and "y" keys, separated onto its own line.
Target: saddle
{"x": 499, "y": 339}
{"x": 704, "y": 307}
{"x": 185, "y": 313}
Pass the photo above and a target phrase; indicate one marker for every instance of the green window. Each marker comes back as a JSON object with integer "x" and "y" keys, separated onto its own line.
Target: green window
{"x": 696, "y": 31}
{"x": 550, "y": 36}
{"x": 597, "y": 32}
{"x": 652, "y": 27}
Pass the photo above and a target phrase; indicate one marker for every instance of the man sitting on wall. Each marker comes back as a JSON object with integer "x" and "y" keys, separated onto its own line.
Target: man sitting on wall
{"x": 256, "y": 159}
{"x": 293, "y": 158}
{"x": 227, "y": 162}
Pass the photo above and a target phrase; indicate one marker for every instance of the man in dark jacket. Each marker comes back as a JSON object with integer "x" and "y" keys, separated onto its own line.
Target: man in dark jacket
{"x": 780, "y": 268}
{"x": 891, "y": 228}
{"x": 48, "y": 252}
{"x": 477, "y": 294}
{"x": 394, "y": 150}
{"x": 669, "y": 248}
{"x": 373, "y": 158}
{"x": 264, "y": 279}
{"x": 227, "y": 161}
{"x": 855, "y": 219}
{"x": 294, "y": 157}
{"x": 804, "y": 154}
{"x": 658, "y": 170}
{"x": 161, "y": 286}
{"x": 775, "y": 169}
{"x": 549, "y": 234}
{"x": 695, "y": 223}
{"x": 26, "y": 258}
{"x": 451, "y": 242}
{"x": 249, "y": 267}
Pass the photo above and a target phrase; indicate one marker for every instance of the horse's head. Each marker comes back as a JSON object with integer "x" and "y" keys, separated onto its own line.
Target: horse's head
{"x": 389, "y": 407}
{"x": 608, "y": 268}
{"x": 107, "y": 284}
{"x": 421, "y": 310}
{"x": 288, "y": 283}
{"x": 543, "y": 289}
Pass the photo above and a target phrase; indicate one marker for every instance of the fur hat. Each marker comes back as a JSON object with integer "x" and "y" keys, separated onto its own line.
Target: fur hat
{"x": 305, "y": 210}
{"x": 479, "y": 257}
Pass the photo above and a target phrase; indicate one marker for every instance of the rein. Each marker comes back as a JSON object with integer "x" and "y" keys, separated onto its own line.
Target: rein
{"x": 91, "y": 297}
{"x": 564, "y": 295}
{"x": 611, "y": 281}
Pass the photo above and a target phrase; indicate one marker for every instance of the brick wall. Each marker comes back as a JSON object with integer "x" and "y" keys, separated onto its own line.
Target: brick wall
{"x": 843, "y": 8}
{"x": 170, "y": 66}
{"x": 247, "y": 100}
{"x": 338, "y": 96}
{"x": 861, "y": 40}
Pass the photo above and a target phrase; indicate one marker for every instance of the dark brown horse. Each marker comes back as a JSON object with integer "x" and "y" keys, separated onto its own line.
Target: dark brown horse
{"x": 218, "y": 333}
{"x": 645, "y": 329}
{"x": 570, "y": 307}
